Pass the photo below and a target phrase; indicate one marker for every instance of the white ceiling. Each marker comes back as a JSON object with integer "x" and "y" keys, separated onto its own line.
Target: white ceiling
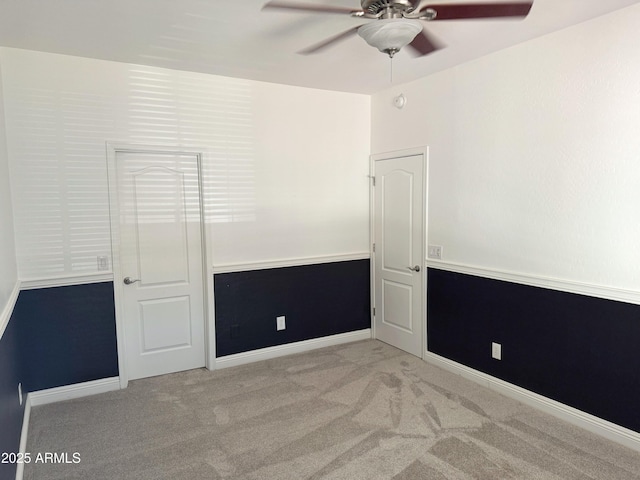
{"x": 236, "y": 38}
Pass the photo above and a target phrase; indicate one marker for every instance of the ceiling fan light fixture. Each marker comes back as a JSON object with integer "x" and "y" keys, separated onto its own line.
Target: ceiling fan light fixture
{"x": 389, "y": 35}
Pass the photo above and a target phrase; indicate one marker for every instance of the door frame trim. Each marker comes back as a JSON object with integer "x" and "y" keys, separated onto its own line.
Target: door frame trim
{"x": 113, "y": 148}
{"x": 409, "y": 152}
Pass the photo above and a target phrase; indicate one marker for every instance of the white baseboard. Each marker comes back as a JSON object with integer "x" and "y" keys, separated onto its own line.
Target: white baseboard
{"x": 604, "y": 428}
{"x": 23, "y": 437}
{"x": 290, "y": 348}
{"x": 77, "y": 390}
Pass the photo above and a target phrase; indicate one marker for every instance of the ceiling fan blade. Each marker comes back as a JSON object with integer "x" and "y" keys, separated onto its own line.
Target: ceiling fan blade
{"x": 458, "y": 11}
{"x": 312, "y": 8}
{"x": 424, "y": 44}
{"x": 326, "y": 43}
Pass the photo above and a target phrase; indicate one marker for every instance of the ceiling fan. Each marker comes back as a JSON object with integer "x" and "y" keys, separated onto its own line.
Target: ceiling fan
{"x": 398, "y": 21}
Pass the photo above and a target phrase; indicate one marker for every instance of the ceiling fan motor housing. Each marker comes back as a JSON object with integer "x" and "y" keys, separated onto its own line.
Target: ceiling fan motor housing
{"x": 389, "y": 8}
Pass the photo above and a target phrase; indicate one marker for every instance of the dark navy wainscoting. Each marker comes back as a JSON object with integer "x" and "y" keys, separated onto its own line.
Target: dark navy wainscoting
{"x": 579, "y": 350}
{"x": 317, "y": 300}
{"x": 11, "y": 413}
{"x": 67, "y": 335}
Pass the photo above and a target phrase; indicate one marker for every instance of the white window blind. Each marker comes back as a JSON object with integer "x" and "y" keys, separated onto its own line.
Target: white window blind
{"x": 57, "y": 141}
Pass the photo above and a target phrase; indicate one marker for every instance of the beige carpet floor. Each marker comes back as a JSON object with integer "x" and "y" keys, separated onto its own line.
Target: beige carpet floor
{"x": 363, "y": 410}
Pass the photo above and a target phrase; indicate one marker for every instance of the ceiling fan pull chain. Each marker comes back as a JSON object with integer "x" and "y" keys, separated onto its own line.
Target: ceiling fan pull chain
{"x": 391, "y": 70}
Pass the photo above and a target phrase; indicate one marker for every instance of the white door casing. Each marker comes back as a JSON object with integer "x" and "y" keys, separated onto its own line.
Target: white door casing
{"x": 157, "y": 231}
{"x": 399, "y": 235}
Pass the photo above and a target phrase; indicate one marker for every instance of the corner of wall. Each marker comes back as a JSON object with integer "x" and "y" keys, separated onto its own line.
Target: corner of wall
{"x": 8, "y": 262}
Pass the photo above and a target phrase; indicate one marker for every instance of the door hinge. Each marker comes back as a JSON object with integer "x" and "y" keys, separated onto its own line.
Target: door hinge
{"x": 374, "y": 311}
{"x": 374, "y": 248}
{"x": 373, "y": 179}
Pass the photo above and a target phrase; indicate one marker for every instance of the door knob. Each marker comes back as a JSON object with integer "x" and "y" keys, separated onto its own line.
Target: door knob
{"x": 415, "y": 269}
{"x": 128, "y": 281}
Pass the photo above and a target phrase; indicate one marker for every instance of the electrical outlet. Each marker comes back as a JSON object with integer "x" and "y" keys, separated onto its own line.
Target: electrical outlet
{"x": 280, "y": 323}
{"x": 496, "y": 351}
{"x": 103, "y": 262}
{"x": 20, "y": 393}
{"x": 435, "y": 251}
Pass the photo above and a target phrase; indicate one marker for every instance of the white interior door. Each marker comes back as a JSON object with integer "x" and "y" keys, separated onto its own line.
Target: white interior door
{"x": 399, "y": 207}
{"x": 160, "y": 262}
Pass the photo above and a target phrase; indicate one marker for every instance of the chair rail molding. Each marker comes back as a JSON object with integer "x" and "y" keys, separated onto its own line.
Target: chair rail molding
{"x": 571, "y": 286}
{"x": 66, "y": 280}
{"x": 288, "y": 262}
{"x": 7, "y": 311}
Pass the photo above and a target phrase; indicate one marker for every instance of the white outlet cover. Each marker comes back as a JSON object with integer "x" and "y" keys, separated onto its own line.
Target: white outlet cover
{"x": 496, "y": 351}
{"x": 280, "y": 323}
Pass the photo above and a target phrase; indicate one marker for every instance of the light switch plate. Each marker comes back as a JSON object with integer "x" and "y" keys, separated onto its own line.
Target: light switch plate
{"x": 103, "y": 262}
{"x": 435, "y": 251}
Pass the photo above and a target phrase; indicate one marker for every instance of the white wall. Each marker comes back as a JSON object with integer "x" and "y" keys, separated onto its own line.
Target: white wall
{"x": 8, "y": 271}
{"x": 534, "y": 154}
{"x": 285, "y": 175}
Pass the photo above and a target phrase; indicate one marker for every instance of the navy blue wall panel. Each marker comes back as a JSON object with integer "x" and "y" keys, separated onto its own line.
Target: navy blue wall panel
{"x": 579, "y": 350}
{"x": 67, "y": 335}
{"x": 317, "y": 300}
{"x": 11, "y": 413}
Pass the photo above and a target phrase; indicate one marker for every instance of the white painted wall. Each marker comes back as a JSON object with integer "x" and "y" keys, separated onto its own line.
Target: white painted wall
{"x": 8, "y": 270}
{"x": 310, "y": 186}
{"x": 285, "y": 173}
{"x": 534, "y": 154}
